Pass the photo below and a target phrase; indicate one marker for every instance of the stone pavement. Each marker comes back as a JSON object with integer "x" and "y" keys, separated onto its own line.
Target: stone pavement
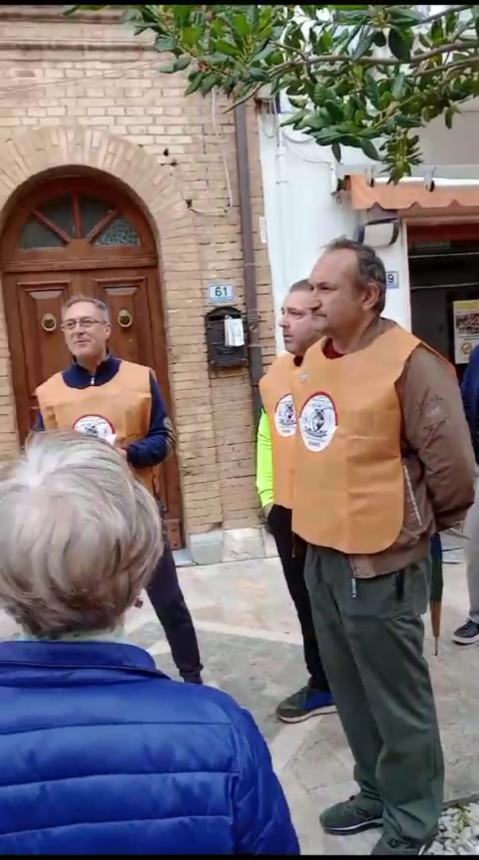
{"x": 250, "y": 644}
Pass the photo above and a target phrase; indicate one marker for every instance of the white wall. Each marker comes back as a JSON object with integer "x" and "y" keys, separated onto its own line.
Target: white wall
{"x": 302, "y": 214}
{"x": 395, "y": 259}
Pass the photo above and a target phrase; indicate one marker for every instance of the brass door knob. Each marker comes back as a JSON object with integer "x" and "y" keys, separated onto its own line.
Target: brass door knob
{"x": 49, "y": 323}
{"x": 124, "y": 318}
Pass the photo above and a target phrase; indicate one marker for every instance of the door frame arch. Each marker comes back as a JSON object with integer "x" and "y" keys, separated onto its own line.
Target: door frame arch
{"x": 31, "y": 155}
{"x": 138, "y": 262}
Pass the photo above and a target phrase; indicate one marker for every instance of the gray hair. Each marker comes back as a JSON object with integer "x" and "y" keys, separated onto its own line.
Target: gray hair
{"x": 79, "y": 535}
{"x": 97, "y": 303}
{"x": 302, "y": 286}
{"x": 370, "y": 267}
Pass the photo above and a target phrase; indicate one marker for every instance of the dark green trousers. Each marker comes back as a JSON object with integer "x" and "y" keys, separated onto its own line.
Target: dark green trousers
{"x": 370, "y": 633}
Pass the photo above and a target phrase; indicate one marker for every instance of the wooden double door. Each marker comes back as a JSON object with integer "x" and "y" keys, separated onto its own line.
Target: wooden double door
{"x": 78, "y": 238}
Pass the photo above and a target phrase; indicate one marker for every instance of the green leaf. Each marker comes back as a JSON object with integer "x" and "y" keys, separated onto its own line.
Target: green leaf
{"x": 351, "y": 140}
{"x": 437, "y": 32}
{"x": 168, "y": 68}
{"x": 259, "y": 75}
{"x": 336, "y": 148}
{"x": 194, "y": 85}
{"x": 181, "y": 13}
{"x": 398, "y": 85}
{"x": 242, "y": 26}
{"x": 363, "y": 46}
{"x": 370, "y": 150}
{"x": 380, "y": 39}
{"x": 263, "y": 54}
{"x": 190, "y": 36}
{"x": 181, "y": 63}
{"x": 207, "y": 84}
{"x": 226, "y": 48}
{"x": 165, "y": 43}
{"x": 295, "y": 118}
{"x": 131, "y": 14}
{"x": 407, "y": 121}
{"x": 334, "y": 110}
{"x": 398, "y": 45}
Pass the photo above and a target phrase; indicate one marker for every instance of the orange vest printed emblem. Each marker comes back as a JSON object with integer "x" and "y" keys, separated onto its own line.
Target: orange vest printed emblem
{"x": 348, "y": 489}
{"x": 120, "y": 408}
{"x": 275, "y": 388}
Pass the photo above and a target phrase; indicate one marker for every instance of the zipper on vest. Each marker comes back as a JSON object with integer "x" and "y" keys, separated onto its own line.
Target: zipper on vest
{"x": 354, "y": 587}
{"x": 92, "y": 381}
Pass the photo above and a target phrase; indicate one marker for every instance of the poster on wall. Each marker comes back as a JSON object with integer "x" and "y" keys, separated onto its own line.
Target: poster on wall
{"x": 466, "y": 329}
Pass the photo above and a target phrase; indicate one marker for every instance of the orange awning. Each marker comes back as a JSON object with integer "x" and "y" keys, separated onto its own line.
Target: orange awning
{"x": 411, "y": 193}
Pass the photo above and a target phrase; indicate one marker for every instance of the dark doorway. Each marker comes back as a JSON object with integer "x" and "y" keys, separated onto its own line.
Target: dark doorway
{"x": 444, "y": 271}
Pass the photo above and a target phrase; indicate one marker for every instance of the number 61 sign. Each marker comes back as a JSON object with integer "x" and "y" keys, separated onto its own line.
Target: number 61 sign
{"x": 221, "y": 294}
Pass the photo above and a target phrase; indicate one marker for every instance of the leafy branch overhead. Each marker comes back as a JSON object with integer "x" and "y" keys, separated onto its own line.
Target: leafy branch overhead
{"x": 361, "y": 76}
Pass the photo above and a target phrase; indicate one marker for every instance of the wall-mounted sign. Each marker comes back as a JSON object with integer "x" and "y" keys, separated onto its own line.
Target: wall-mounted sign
{"x": 466, "y": 329}
{"x": 221, "y": 294}
{"x": 392, "y": 280}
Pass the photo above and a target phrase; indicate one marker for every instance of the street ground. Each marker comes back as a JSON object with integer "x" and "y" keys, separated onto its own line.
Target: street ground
{"x": 251, "y": 647}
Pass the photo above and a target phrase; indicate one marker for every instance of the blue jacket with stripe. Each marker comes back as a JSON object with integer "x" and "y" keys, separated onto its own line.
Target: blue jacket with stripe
{"x": 102, "y": 754}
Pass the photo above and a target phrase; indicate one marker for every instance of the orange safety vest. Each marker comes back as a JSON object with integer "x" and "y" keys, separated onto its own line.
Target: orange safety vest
{"x": 275, "y": 388}
{"x": 121, "y": 406}
{"x": 349, "y": 481}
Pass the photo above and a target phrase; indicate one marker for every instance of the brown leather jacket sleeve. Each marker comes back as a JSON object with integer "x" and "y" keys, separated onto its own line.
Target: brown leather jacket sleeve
{"x": 436, "y": 432}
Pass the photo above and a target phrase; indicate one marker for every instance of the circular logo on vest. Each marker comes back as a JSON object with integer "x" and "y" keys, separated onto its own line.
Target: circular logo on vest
{"x": 318, "y": 422}
{"x": 95, "y": 425}
{"x": 285, "y": 416}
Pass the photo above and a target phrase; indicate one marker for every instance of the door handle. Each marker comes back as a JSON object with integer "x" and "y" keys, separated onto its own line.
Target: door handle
{"x": 124, "y": 318}
{"x": 49, "y": 323}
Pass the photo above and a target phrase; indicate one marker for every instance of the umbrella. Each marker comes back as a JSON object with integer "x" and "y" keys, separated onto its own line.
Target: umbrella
{"x": 437, "y": 583}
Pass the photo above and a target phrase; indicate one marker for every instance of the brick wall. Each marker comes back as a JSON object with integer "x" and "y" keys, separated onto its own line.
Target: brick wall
{"x": 91, "y": 74}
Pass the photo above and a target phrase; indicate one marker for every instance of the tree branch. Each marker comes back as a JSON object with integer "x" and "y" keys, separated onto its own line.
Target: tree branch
{"x": 438, "y": 15}
{"x": 415, "y": 60}
{"x": 450, "y": 67}
{"x": 247, "y": 96}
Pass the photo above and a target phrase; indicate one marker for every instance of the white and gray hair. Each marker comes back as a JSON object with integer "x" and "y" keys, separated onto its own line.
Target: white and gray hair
{"x": 79, "y": 535}
{"x": 91, "y": 300}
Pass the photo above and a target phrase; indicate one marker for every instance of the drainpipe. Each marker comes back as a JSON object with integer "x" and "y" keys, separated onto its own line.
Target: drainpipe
{"x": 249, "y": 267}
{"x": 283, "y": 216}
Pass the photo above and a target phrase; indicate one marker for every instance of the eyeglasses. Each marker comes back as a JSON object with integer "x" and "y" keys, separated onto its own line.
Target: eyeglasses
{"x": 83, "y": 322}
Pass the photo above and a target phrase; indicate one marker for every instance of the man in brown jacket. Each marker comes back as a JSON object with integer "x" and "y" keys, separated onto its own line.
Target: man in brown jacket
{"x": 383, "y": 460}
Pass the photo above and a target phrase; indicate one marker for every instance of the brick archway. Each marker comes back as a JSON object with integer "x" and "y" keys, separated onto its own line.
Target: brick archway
{"x": 33, "y": 155}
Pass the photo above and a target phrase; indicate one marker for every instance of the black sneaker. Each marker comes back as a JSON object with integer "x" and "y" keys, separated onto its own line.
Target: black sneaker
{"x": 404, "y": 847}
{"x": 467, "y": 634}
{"x": 304, "y": 704}
{"x": 352, "y": 816}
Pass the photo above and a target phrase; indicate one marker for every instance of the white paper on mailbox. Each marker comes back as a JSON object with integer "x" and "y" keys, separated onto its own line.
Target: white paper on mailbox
{"x": 234, "y": 332}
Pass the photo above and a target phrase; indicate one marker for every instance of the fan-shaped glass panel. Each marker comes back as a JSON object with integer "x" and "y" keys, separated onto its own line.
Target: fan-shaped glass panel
{"x": 119, "y": 232}
{"x": 36, "y": 235}
{"x": 92, "y": 212}
{"x": 60, "y": 213}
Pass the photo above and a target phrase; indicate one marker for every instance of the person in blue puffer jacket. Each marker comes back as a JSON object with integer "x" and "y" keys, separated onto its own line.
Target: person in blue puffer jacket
{"x": 468, "y": 632}
{"x": 470, "y": 398}
{"x": 100, "y": 753}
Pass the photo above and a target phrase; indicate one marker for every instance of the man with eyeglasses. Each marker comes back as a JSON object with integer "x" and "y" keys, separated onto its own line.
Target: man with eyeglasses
{"x": 120, "y": 402}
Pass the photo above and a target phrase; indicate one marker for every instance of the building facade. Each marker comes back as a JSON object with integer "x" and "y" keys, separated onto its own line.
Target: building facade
{"x": 426, "y": 229}
{"x": 113, "y": 184}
